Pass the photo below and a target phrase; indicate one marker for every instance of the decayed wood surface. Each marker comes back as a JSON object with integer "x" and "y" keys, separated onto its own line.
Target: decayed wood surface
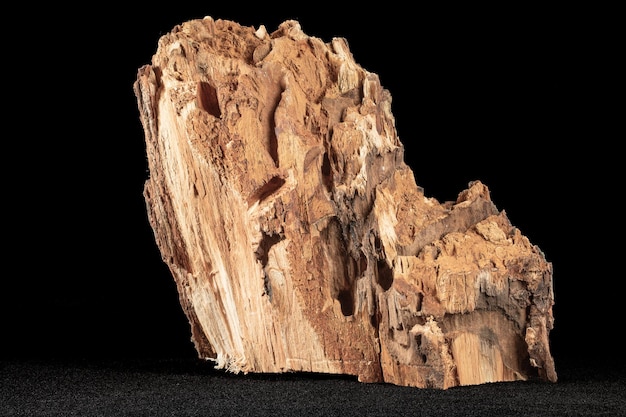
{"x": 297, "y": 235}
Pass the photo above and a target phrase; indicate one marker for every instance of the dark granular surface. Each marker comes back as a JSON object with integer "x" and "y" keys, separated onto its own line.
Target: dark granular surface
{"x": 190, "y": 387}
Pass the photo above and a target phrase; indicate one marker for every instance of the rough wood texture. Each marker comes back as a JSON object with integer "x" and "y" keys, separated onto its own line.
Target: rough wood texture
{"x": 297, "y": 235}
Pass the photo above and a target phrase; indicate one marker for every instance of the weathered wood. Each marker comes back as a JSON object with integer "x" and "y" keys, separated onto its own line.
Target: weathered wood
{"x": 297, "y": 235}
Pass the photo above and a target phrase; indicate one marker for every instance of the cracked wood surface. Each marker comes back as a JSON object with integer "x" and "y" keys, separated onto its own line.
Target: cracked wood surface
{"x": 298, "y": 237}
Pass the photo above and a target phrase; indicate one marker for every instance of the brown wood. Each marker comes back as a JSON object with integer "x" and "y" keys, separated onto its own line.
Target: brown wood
{"x": 297, "y": 235}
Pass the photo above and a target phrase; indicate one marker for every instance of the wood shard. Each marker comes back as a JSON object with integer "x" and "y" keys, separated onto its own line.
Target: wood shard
{"x": 296, "y": 233}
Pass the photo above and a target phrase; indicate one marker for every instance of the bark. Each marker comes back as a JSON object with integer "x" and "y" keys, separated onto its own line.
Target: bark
{"x": 297, "y": 235}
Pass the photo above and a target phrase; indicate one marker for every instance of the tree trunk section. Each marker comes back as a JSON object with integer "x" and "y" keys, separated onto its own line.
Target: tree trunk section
{"x": 297, "y": 236}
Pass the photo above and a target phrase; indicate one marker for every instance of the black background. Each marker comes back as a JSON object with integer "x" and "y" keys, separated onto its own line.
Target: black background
{"x": 517, "y": 98}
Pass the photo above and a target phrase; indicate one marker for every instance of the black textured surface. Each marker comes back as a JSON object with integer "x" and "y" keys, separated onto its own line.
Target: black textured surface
{"x": 194, "y": 388}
